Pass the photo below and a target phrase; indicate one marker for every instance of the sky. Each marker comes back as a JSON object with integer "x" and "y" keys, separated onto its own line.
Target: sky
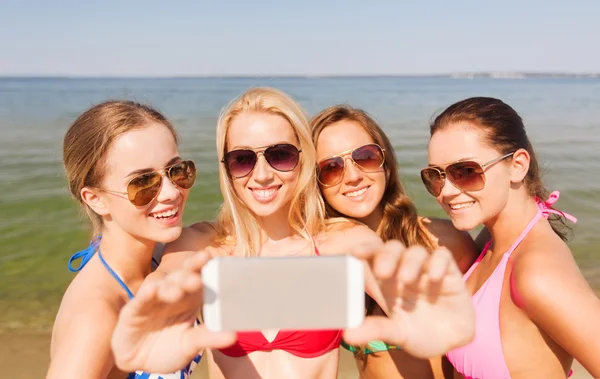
{"x": 303, "y": 37}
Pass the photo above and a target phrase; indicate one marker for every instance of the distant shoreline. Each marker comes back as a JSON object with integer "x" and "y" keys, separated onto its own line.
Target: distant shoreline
{"x": 454, "y": 75}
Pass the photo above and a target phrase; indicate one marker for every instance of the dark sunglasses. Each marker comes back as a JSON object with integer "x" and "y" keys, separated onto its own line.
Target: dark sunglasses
{"x": 464, "y": 175}
{"x": 282, "y": 157}
{"x": 144, "y": 188}
{"x": 368, "y": 158}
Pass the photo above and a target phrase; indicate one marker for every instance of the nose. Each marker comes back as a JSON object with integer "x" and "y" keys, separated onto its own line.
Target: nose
{"x": 263, "y": 173}
{"x": 168, "y": 191}
{"x": 449, "y": 190}
{"x": 352, "y": 174}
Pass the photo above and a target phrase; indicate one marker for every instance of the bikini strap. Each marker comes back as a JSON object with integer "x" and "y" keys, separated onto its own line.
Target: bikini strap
{"x": 85, "y": 255}
{"x": 546, "y": 207}
{"x": 115, "y": 275}
{"x": 544, "y": 210}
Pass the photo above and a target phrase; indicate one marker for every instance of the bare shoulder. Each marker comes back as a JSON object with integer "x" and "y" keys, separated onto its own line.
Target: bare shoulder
{"x": 547, "y": 285}
{"x": 82, "y": 329}
{"x": 194, "y": 238}
{"x": 460, "y": 243}
{"x": 542, "y": 268}
{"x": 345, "y": 235}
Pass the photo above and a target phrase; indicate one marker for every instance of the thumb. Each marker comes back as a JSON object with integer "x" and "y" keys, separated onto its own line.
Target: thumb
{"x": 375, "y": 328}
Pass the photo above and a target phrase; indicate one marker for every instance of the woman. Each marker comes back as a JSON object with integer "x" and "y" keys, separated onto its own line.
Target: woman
{"x": 134, "y": 200}
{"x": 535, "y": 311}
{"x": 272, "y": 208}
{"x": 358, "y": 176}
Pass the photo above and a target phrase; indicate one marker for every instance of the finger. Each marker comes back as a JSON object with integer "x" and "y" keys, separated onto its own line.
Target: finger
{"x": 198, "y": 338}
{"x": 387, "y": 260}
{"x": 374, "y": 328}
{"x": 412, "y": 264}
{"x": 192, "y": 284}
{"x": 145, "y": 299}
{"x": 170, "y": 289}
{"x": 439, "y": 263}
{"x": 196, "y": 262}
{"x": 366, "y": 251}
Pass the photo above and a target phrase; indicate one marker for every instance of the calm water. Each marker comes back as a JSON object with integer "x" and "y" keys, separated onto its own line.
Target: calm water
{"x": 40, "y": 226}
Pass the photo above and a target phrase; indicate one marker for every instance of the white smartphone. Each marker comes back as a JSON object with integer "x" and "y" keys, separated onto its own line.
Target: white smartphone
{"x": 319, "y": 292}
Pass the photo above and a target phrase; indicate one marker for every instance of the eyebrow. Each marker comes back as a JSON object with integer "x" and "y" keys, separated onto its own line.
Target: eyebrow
{"x": 447, "y": 164}
{"x": 147, "y": 170}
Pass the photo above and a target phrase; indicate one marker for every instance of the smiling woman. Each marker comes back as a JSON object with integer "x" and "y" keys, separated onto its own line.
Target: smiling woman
{"x": 134, "y": 200}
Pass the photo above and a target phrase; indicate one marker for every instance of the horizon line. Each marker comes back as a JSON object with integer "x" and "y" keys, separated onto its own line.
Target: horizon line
{"x": 456, "y": 74}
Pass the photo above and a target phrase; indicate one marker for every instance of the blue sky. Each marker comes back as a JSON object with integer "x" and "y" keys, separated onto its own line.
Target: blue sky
{"x": 302, "y": 37}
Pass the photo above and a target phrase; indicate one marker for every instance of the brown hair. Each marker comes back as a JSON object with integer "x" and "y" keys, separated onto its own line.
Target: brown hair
{"x": 89, "y": 138}
{"x": 504, "y": 131}
{"x": 400, "y": 220}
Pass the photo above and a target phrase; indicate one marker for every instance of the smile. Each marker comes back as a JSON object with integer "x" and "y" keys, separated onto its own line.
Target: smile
{"x": 357, "y": 192}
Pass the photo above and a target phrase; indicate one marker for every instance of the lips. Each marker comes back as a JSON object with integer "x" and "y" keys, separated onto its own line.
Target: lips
{"x": 460, "y": 206}
{"x": 164, "y": 214}
{"x": 357, "y": 192}
{"x": 264, "y": 195}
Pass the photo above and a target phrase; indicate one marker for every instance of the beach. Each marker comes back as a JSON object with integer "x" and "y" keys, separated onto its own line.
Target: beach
{"x": 41, "y": 226}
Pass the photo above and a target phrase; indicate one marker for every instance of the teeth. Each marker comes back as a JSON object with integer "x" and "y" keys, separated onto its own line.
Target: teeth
{"x": 165, "y": 214}
{"x": 357, "y": 193}
{"x": 461, "y": 205}
{"x": 265, "y": 193}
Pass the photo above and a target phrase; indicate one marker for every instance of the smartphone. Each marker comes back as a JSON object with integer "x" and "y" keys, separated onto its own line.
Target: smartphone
{"x": 293, "y": 293}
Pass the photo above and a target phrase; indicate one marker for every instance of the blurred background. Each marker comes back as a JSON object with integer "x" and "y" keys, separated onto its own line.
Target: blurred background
{"x": 402, "y": 63}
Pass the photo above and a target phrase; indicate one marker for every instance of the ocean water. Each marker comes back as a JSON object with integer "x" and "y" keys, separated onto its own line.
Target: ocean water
{"x": 40, "y": 226}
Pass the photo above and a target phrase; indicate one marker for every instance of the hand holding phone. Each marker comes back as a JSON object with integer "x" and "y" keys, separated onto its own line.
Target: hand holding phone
{"x": 319, "y": 292}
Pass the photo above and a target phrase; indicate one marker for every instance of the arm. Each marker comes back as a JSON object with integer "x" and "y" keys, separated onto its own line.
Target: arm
{"x": 82, "y": 348}
{"x": 551, "y": 290}
{"x": 194, "y": 238}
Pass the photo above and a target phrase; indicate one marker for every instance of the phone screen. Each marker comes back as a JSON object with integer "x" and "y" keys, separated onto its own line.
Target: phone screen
{"x": 287, "y": 293}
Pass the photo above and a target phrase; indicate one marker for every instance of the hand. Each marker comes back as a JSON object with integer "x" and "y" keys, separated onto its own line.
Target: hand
{"x": 428, "y": 306}
{"x": 155, "y": 331}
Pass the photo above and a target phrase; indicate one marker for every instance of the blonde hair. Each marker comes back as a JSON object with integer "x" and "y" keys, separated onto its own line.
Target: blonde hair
{"x": 88, "y": 139}
{"x": 236, "y": 224}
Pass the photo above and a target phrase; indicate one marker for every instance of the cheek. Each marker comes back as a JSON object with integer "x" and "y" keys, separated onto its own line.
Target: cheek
{"x": 329, "y": 193}
{"x": 127, "y": 215}
{"x": 239, "y": 185}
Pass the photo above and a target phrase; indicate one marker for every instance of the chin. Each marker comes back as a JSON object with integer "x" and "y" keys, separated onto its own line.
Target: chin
{"x": 464, "y": 224}
{"x": 358, "y": 212}
{"x": 168, "y": 235}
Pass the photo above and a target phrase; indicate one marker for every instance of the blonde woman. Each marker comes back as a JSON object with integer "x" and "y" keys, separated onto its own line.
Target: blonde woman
{"x": 272, "y": 207}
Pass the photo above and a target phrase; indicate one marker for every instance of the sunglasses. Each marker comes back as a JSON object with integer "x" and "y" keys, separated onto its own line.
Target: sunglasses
{"x": 144, "y": 188}
{"x": 282, "y": 157}
{"x": 464, "y": 175}
{"x": 368, "y": 158}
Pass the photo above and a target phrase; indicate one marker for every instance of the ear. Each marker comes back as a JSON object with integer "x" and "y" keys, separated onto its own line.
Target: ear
{"x": 519, "y": 166}
{"x": 94, "y": 200}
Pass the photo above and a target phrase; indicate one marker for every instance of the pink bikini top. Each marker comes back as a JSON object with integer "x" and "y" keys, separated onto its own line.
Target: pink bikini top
{"x": 483, "y": 358}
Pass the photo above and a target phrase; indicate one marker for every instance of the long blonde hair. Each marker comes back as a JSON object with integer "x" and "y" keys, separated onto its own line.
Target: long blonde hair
{"x": 236, "y": 224}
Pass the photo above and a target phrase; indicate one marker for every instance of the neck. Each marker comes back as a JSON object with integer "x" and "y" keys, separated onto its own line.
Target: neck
{"x": 373, "y": 220}
{"x": 129, "y": 256}
{"x": 507, "y": 225}
{"x": 276, "y": 226}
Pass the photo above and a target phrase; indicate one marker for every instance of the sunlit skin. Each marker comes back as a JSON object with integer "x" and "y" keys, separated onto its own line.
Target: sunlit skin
{"x": 94, "y": 299}
{"x": 359, "y": 195}
{"x": 162, "y": 315}
{"x": 548, "y": 313}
